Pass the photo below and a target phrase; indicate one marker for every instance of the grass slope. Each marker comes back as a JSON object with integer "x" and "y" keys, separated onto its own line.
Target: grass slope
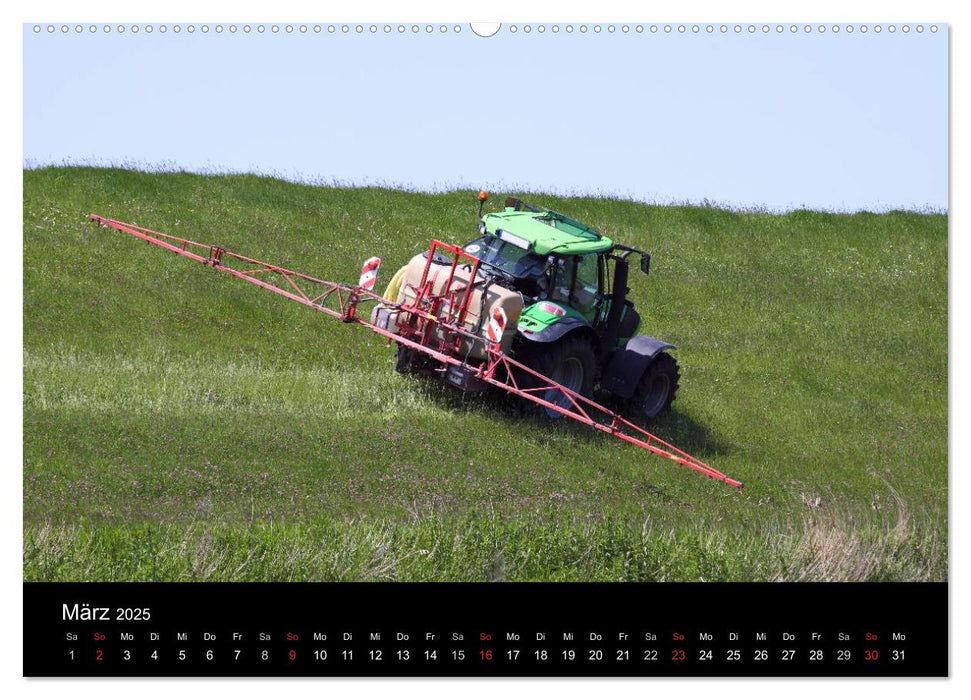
{"x": 179, "y": 425}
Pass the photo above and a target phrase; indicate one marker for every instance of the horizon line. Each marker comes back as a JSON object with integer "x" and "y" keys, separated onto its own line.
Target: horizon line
{"x": 333, "y": 182}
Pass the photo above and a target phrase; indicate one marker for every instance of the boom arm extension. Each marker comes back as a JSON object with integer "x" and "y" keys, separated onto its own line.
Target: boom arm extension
{"x": 340, "y": 300}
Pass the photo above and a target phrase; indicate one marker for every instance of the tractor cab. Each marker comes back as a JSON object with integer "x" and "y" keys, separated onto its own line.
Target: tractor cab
{"x": 562, "y": 267}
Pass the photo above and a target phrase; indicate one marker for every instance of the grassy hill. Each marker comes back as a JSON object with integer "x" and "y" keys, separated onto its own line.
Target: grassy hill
{"x": 179, "y": 425}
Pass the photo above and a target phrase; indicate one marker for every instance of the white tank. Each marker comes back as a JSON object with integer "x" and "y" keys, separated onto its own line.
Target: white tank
{"x": 478, "y": 315}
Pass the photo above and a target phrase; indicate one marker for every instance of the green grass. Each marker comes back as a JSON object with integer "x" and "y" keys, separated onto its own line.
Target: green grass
{"x": 180, "y": 425}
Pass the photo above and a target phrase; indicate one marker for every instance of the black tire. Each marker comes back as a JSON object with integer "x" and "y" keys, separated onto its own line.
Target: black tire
{"x": 402, "y": 359}
{"x": 657, "y": 387}
{"x": 570, "y": 362}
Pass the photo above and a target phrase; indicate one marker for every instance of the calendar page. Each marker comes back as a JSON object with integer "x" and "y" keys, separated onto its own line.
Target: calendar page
{"x": 451, "y": 348}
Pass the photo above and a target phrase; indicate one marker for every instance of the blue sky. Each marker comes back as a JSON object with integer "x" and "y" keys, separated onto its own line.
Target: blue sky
{"x": 842, "y": 121}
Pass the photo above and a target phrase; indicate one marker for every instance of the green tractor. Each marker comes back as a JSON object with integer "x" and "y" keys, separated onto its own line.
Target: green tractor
{"x": 563, "y": 288}
{"x": 578, "y": 326}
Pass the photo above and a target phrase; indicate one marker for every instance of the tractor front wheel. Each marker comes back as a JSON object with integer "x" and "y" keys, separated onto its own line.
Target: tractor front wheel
{"x": 570, "y": 362}
{"x": 657, "y": 387}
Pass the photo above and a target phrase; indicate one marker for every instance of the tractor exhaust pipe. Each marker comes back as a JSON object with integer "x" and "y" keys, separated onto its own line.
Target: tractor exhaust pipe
{"x": 618, "y": 297}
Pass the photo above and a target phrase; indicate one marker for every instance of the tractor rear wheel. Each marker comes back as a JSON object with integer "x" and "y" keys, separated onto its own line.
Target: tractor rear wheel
{"x": 657, "y": 387}
{"x": 570, "y": 362}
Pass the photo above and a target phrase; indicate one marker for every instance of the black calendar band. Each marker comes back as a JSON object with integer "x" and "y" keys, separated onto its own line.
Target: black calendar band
{"x": 501, "y": 630}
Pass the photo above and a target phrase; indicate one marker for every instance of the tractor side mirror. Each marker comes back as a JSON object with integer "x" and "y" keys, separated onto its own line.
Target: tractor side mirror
{"x": 646, "y": 263}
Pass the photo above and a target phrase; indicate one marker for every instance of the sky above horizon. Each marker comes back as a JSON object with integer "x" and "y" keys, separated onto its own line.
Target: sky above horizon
{"x": 841, "y": 121}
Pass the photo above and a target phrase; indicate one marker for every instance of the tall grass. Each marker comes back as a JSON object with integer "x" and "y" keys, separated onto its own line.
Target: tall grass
{"x": 829, "y": 547}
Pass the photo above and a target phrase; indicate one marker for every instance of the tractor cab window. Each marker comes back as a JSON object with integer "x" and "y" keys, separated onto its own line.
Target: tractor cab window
{"x": 577, "y": 283}
{"x": 528, "y": 269}
{"x": 563, "y": 274}
{"x": 586, "y": 290}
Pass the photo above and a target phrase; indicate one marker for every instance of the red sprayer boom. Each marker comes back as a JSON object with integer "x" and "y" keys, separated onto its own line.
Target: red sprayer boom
{"x": 432, "y": 325}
